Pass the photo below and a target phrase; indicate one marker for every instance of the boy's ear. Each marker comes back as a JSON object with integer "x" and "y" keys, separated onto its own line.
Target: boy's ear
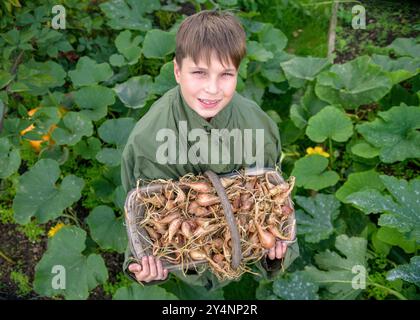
{"x": 177, "y": 71}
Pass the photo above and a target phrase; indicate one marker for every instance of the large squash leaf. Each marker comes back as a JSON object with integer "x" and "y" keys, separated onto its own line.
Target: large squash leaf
{"x": 36, "y": 78}
{"x": 158, "y": 44}
{"x": 129, "y": 14}
{"x": 329, "y": 123}
{"x": 399, "y": 69}
{"x": 9, "y": 158}
{"x": 408, "y": 272}
{"x": 135, "y": 92}
{"x": 89, "y": 72}
{"x": 114, "y": 131}
{"x": 406, "y": 47}
{"x": 400, "y": 208}
{"x": 39, "y": 196}
{"x": 354, "y": 83}
{"x": 81, "y": 273}
{"x": 128, "y": 46}
{"x": 298, "y": 286}
{"x": 338, "y": 276}
{"x": 395, "y": 132}
{"x": 359, "y": 181}
{"x": 137, "y": 292}
{"x": 107, "y": 230}
{"x": 76, "y": 125}
{"x": 165, "y": 80}
{"x": 298, "y": 70}
{"x": 310, "y": 173}
{"x": 316, "y": 222}
{"x": 94, "y": 100}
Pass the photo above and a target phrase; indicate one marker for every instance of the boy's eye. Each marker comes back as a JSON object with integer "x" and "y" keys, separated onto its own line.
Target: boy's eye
{"x": 227, "y": 74}
{"x": 199, "y": 72}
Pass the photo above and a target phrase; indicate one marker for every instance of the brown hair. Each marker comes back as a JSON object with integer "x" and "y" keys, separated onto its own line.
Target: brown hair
{"x": 207, "y": 31}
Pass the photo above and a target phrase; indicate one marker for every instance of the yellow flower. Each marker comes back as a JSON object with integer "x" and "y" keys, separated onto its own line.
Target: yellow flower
{"x": 317, "y": 150}
{"x": 55, "y": 229}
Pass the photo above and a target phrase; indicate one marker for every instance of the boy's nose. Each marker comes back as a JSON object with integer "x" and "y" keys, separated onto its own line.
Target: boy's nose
{"x": 212, "y": 87}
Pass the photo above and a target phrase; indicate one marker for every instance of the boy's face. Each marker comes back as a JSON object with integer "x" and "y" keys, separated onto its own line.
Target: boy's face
{"x": 207, "y": 89}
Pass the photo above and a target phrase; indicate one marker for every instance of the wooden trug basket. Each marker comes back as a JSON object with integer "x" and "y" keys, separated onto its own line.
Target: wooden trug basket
{"x": 139, "y": 240}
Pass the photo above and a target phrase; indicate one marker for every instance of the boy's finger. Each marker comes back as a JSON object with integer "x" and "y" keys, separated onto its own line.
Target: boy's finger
{"x": 134, "y": 267}
{"x": 159, "y": 270}
{"x": 272, "y": 253}
{"x": 282, "y": 250}
{"x": 153, "y": 269}
{"x": 279, "y": 250}
{"x": 145, "y": 268}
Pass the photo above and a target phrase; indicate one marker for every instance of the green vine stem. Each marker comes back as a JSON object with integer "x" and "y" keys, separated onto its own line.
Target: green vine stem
{"x": 391, "y": 291}
{"x": 331, "y": 152}
{"x": 6, "y": 257}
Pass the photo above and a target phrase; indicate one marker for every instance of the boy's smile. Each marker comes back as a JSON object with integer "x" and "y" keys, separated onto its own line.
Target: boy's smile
{"x": 207, "y": 89}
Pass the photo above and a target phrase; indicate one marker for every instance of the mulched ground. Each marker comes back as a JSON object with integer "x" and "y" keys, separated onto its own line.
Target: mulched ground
{"x": 385, "y": 21}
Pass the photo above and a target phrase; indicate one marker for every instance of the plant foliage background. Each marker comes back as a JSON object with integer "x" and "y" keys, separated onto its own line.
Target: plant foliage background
{"x": 69, "y": 98}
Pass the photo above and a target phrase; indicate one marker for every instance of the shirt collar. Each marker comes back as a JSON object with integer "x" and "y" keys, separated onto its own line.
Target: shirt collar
{"x": 221, "y": 120}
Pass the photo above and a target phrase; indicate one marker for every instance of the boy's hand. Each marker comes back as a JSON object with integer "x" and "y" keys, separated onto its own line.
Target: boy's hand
{"x": 278, "y": 251}
{"x": 150, "y": 269}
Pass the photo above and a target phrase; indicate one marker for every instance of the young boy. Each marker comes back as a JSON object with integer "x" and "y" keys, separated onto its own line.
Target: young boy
{"x": 209, "y": 48}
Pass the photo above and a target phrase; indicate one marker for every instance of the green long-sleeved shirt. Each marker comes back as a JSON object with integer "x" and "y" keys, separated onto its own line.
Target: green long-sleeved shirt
{"x": 143, "y": 152}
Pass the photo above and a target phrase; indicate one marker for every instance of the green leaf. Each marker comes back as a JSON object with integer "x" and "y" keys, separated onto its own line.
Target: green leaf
{"x": 137, "y": 292}
{"x": 271, "y": 69}
{"x": 81, "y": 273}
{"x": 257, "y": 52}
{"x": 329, "y": 123}
{"x": 310, "y": 173}
{"x": 55, "y": 152}
{"x": 165, "y": 80}
{"x": 36, "y": 78}
{"x": 88, "y": 72}
{"x": 298, "y": 70}
{"x": 265, "y": 290}
{"x": 244, "y": 289}
{"x": 107, "y": 230}
{"x": 116, "y": 131}
{"x": 135, "y": 92}
{"x": 117, "y": 60}
{"x": 272, "y": 38}
{"x": 316, "y": 222}
{"x": 406, "y": 47}
{"x": 94, "y": 101}
{"x": 297, "y": 287}
{"x": 76, "y": 125}
{"x": 40, "y": 196}
{"x": 129, "y": 14}
{"x": 158, "y": 44}
{"x": 109, "y": 156}
{"x": 399, "y": 69}
{"x": 9, "y": 158}
{"x": 394, "y": 237}
{"x": 408, "y": 272}
{"x": 309, "y": 106}
{"x": 128, "y": 46}
{"x": 5, "y": 78}
{"x": 354, "y": 83}
{"x": 185, "y": 291}
{"x": 400, "y": 210}
{"x": 365, "y": 150}
{"x": 88, "y": 149}
{"x": 339, "y": 268}
{"x": 359, "y": 181}
{"x": 395, "y": 132}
